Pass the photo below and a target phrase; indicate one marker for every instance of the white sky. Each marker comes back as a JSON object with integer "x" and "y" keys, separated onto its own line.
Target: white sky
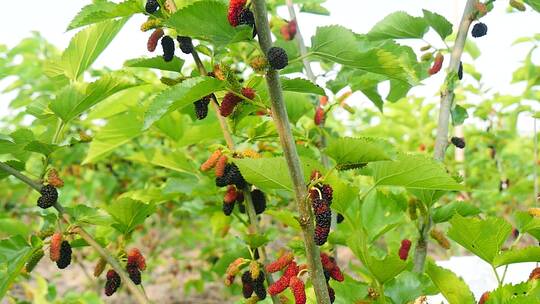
{"x": 497, "y": 62}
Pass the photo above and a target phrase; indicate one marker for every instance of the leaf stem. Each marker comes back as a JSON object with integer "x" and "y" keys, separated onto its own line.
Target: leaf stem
{"x": 84, "y": 235}
{"x": 279, "y": 114}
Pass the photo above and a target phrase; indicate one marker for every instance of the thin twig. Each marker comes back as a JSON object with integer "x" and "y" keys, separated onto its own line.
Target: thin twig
{"x": 279, "y": 114}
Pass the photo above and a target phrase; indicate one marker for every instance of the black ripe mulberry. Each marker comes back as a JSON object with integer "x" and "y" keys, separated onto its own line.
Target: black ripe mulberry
{"x": 259, "y": 201}
{"x": 228, "y": 208}
{"x": 327, "y": 193}
{"x": 201, "y": 107}
{"x": 134, "y": 273}
{"x": 247, "y": 285}
{"x": 458, "y": 142}
{"x": 340, "y": 218}
{"x": 186, "y": 45}
{"x": 479, "y": 30}
{"x": 324, "y": 219}
{"x": 151, "y": 6}
{"x": 113, "y": 282}
{"x": 460, "y": 71}
{"x": 277, "y": 58}
{"x": 65, "y": 255}
{"x": 258, "y": 286}
{"x": 49, "y": 196}
{"x": 321, "y": 235}
{"x": 167, "y": 43}
{"x": 235, "y": 176}
{"x": 320, "y": 206}
{"x": 246, "y": 17}
{"x": 242, "y": 208}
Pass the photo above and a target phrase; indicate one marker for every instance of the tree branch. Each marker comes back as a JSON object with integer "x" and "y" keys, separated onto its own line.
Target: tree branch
{"x": 279, "y": 114}
{"x": 441, "y": 141}
{"x": 139, "y": 296}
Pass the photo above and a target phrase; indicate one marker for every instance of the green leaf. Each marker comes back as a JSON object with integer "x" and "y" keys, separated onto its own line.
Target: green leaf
{"x": 459, "y": 114}
{"x": 297, "y": 105}
{"x": 285, "y": 217}
{"x": 347, "y": 151}
{"x": 14, "y": 252}
{"x": 437, "y": 22}
{"x": 72, "y": 102}
{"x": 407, "y": 286}
{"x": 482, "y": 237}
{"x": 9, "y": 227}
{"x": 349, "y": 291}
{"x": 338, "y": 44}
{"x": 207, "y": 20}
{"x": 173, "y": 160}
{"x": 522, "y": 293}
{"x": 525, "y": 223}
{"x": 428, "y": 197}
{"x": 414, "y": 172}
{"x": 104, "y": 10}
{"x": 84, "y": 215}
{"x": 87, "y": 45}
{"x": 39, "y": 147}
{"x": 119, "y": 130}
{"x": 380, "y": 214}
{"x": 314, "y": 8}
{"x": 175, "y": 65}
{"x": 180, "y": 96}
{"x": 529, "y": 254}
{"x": 446, "y": 212}
{"x": 301, "y": 85}
{"x": 451, "y": 286}
{"x": 399, "y": 25}
{"x": 128, "y": 214}
{"x": 535, "y": 4}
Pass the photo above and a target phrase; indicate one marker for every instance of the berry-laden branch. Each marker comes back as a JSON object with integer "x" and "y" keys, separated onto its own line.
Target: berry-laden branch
{"x": 139, "y": 296}
{"x": 279, "y": 114}
{"x": 441, "y": 141}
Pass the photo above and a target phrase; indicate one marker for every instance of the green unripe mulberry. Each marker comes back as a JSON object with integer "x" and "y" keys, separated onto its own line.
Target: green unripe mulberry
{"x": 34, "y": 260}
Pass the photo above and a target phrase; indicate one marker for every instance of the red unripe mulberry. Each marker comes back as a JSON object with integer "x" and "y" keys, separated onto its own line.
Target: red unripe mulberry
{"x": 54, "y": 248}
{"x": 298, "y": 289}
{"x": 535, "y": 274}
{"x": 288, "y": 31}
{"x": 235, "y": 8}
{"x": 404, "y": 249}
{"x": 135, "y": 257}
{"x": 282, "y": 262}
{"x": 154, "y": 39}
{"x": 484, "y": 298}
{"x": 231, "y": 195}
{"x": 437, "y": 64}
{"x": 112, "y": 283}
{"x": 249, "y": 93}
{"x": 281, "y": 284}
{"x": 211, "y": 161}
{"x": 319, "y": 116}
{"x": 228, "y": 104}
{"x": 220, "y": 165}
{"x": 330, "y": 265}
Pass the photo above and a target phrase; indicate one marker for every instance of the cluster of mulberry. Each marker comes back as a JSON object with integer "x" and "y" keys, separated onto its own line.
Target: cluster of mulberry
{"x": 112, "y": 283}
{"x": 288, "y": 30}
{"x": 404, "y": 249}
{"x": 252, "y": 279}
{"x": 48, "y": 197}
{"x": 459, "y": 142}
{"x": 151, "y": 6}
{"x": 231, "y": 100}
{"x": 231, "y": 176}
{"x": 479, "y": 30}
{"x": 277, "y": 58}
{"x": 135, "y": 264}
{"x": 201, "y": 107}
{"x": 437, "y": 64}
{"x": 321, "y": 198}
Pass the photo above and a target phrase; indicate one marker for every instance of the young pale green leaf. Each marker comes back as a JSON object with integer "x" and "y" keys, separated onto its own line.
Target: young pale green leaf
{"x": 338, "y": 44}
{"x": 14, "y": 253}
{"x": 482, "y": 237}
{"x": 119, "y": 130}
{"x": 104, "y": 10}
{"x": 446, "y": 212}
{"x": 428, "y": 197}
{"x": 522, "y": 255}
{"x": 153, "y": 195}
{"x": 350, "y": 151}
{"x": 301, "y": 85}
{"x": 85, "y": 47}
{"x": 84, "y": 215}
{"x": 179, "y": 96}
{"x": 207, "y": 20}
{"x": 314, "y": 8}
{"x": 128, "y": 213}
{"x": 74, "y": 102}
{"x": 175, "y": 65}
{"x": 437, "y": 22}
{"x": 453, "y": 288}
{"x": 414, "y": 172}
{"x": 399, "y": 25}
